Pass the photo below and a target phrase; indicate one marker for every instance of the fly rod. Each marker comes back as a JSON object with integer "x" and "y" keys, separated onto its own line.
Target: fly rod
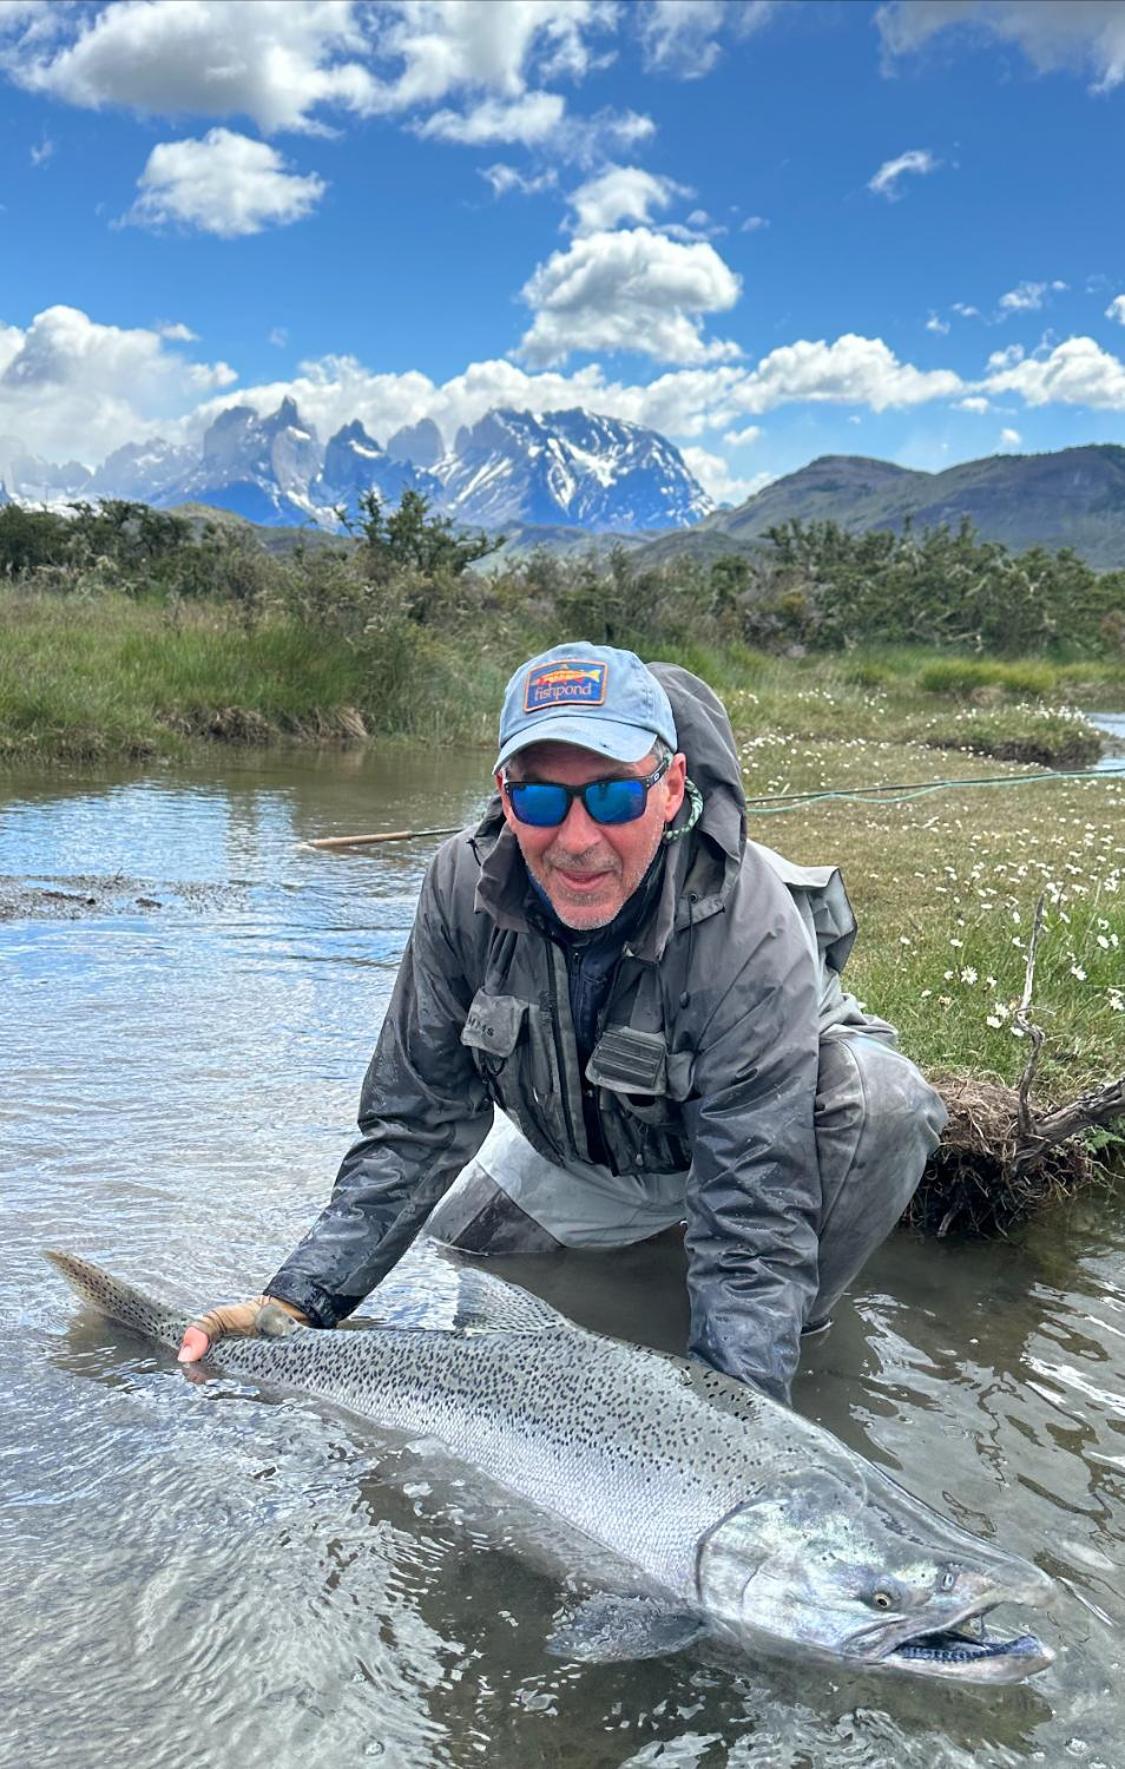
{"x": 766, "y": 804}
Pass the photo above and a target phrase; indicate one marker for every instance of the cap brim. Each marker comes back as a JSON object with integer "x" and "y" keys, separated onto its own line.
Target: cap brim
{"x": 605, "y": 737}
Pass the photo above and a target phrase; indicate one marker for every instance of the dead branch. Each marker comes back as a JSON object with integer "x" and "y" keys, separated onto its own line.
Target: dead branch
{"x": 1026, "y": 1117}
{"x": 1097, "y": 1106}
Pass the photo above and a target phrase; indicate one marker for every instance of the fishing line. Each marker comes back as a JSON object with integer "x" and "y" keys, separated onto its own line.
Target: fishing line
{"x": 773, "y": 804}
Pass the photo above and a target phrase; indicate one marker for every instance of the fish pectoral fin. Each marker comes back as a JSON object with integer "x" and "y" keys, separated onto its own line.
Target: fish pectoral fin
{"x": 606, "y": 1629}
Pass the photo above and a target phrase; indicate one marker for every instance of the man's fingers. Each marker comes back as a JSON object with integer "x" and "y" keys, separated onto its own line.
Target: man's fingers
{"x": 194, "y": 1345}
{"x": 263, "y": 1314}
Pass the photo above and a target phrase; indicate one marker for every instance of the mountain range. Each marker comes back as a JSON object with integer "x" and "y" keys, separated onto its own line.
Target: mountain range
{"x": 1074, "y": 498}
{"x": 574, "y": 469}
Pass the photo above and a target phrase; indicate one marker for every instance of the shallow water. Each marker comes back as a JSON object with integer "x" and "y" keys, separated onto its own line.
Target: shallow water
{"x": 196, "y": 1576}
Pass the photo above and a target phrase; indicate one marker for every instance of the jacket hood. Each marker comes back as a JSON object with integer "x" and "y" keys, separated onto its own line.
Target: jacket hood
{"x": 704, "y": 735}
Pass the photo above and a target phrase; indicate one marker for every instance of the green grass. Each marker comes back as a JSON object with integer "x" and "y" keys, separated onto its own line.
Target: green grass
{"x": 945, "y": 888}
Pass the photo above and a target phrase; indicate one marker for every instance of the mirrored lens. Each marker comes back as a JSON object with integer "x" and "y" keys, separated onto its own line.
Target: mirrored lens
{"x": 539, "y": 803}
{"x": 615, "y": 801}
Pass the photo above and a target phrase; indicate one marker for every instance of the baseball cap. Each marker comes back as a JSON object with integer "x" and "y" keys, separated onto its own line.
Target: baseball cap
{"x": 595, "y": 696}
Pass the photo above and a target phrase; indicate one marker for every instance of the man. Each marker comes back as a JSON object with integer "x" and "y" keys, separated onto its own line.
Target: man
{"x": 615, "y": 1013}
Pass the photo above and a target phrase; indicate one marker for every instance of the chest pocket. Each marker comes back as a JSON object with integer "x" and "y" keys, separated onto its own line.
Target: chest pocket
{"x": 492, "y": 1028}
{"x": 637, "y": 1074}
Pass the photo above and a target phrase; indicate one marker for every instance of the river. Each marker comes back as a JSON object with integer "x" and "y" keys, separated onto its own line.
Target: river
{"x": 194, "y": 1576}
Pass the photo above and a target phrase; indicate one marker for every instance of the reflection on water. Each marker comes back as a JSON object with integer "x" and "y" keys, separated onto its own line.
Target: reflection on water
{"x": 199, "y": 1577}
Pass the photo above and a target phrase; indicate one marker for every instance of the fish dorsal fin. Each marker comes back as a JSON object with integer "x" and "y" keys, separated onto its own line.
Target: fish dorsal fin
{"x": 490, "y": 1305}
{"x": 727, "y": 1393}
{"x": 436, "y": 1292}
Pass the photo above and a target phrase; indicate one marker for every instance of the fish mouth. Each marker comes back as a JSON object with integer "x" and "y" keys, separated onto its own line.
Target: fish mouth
{"x": 967, "y": 1649}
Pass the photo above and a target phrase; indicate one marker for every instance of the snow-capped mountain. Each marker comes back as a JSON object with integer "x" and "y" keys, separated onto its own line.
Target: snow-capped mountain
{"x": 141, "y": 471}
{"x": 572, "y": 469}
{"x": 355, "y": 463}
{"x": 422, "y": 444}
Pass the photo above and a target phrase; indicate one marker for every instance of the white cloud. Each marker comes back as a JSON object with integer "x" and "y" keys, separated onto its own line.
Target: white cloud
{"x": 852, "y": 371}
{"x": 1006, "y": 359}
{"x": 974, "y": 402}
{"x": 1010, "y": 438}
{"x": 275, "y": 60}
{"x": 1028, "y": 297}
{"x": 288, "y": 63}
{"x": 716, "y": 478}
{"x": 682, "y": 37}
{"x": 1116, "y": 309}
{"x": 918, "y": 160}
{"x": 278, "y": 336}
{"x": 752, "y": 224}
{"x": 966, "y": 312}
{"x": 1087, "y": 35}
{"x": 935, "y": 324}
{"x": 742, "y": 438}
{"x": 503, "y": 179}
{"x": 1078, "y": 372}
{"x": 631, "y": 290}
{"x": 42, "y": 151}
{"x": 528, "y": 120}
{"x": 175, "y": 332}
{"x": 71, "y": 386}
{"x": 225, "y": 184}
{"x": 621, "y": 193}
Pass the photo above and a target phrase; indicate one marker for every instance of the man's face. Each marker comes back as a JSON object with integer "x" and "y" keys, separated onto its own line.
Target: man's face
{"x": 589, "y": 870}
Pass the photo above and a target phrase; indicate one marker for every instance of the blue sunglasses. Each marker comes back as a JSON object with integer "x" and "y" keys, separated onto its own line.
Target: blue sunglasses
{"x": 545, "y": 804}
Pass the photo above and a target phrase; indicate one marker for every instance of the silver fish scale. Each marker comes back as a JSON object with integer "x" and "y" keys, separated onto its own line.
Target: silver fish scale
{"x": 625, "y": 1445}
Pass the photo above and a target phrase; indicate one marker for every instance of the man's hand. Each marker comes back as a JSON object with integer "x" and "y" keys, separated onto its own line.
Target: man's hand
{"x": 241, "y": 1319}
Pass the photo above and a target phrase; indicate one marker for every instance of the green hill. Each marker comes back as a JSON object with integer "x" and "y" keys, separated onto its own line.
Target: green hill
{"x": 1072, "y": 498}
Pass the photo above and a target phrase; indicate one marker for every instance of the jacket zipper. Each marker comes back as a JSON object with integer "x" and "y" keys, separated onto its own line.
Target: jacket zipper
{"x": 562, "y": 1054}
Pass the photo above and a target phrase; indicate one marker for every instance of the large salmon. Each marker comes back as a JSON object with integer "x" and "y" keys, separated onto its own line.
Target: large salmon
{"x": 740, "y": 1519}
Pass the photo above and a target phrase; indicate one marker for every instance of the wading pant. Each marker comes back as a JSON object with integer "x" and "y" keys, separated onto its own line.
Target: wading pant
{"x": 877, "y": 1120}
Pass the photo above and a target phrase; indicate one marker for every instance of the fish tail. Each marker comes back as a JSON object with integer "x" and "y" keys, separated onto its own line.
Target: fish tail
{"x": 120, "y": 1301}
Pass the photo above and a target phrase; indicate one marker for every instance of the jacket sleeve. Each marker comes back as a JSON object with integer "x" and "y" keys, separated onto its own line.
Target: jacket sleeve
{"x": 754, "y": 1196}
{"x": 423, "y": 1114}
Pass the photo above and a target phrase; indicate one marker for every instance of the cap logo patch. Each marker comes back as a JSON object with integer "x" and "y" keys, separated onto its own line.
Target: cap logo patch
{"x": 565, "y": 681}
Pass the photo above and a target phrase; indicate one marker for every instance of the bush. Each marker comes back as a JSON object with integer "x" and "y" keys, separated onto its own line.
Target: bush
{"x": 967, "y": 675}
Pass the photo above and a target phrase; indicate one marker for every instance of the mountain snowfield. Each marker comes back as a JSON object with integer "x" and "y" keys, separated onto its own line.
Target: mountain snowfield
{"x": 567, "y": 468}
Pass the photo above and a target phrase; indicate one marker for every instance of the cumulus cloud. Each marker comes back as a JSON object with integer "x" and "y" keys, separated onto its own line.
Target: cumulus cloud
{"x": 752, "y": 224}
{"x": 974, "y": 402}
{"x": 630, "y": 290}
{"x": 938, "y": 325}
{"x": 852, "y": 371}
{"x": 716, "y": 478}
{"x": 683, "y": 37}
{"x": 621, "y": 193}
{"x": 1116, "y": 309}
{"x": 1086, "y": 35}
{"x": 1077, "y": 372}
{"x": 225, "y": 184}
{"x": 289, "y": 64}
{"x": 70, "y": 385}
{"x": 280, "y": 60}
{"x": 742, "y": 438}
{"x": 917, "y": 160}
{"x": 1010, "y": 438}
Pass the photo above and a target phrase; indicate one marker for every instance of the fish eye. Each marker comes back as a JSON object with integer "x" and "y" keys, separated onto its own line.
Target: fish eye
{"x": 948, "y": 1579}
{"x": 882, "y": 1600}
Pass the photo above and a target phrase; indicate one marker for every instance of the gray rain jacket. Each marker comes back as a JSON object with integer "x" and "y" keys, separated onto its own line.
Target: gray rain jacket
{"x": 706, "y": 1061}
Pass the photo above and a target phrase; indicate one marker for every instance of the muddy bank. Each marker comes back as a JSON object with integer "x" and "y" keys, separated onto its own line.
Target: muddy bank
{"x": 70, "y": 898}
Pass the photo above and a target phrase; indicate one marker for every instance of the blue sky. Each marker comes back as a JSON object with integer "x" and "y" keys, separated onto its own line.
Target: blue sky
{"x": 771, "y": 230}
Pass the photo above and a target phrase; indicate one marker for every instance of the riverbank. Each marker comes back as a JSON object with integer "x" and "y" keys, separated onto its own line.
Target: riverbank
{"x": 107, "y": 676}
